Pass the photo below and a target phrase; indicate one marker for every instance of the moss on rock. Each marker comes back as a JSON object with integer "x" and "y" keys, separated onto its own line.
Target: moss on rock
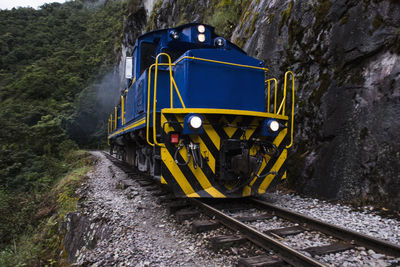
{"x": 285, "y": 15}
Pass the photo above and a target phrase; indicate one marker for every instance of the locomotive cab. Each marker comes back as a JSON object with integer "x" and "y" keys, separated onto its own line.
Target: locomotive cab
{"x": 199, "y": 116}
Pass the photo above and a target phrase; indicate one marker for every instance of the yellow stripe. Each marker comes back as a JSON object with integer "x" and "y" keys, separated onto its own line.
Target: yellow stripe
{"x": 276, "y": 142}
{"x": 177, "y": 174}
{"x": 220, "y": 62}
{"x": 278, "y": 164}
{"x": 200, "y": 177}
{"x": 135, "y": 124}
{"x": 246, "y": 191}
{"x": 280, "y": 137}
{"x": 163, "y": 180}
{"x": 205, "y": 152}
{"x": 250, "y": 131}
{"x": 224, "y": 111}
{"x": 210, "y": 131}
{"x": 231, "y": 130}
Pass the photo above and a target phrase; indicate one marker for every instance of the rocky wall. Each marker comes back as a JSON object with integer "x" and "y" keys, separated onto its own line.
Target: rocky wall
{"x": 346, "y": 58}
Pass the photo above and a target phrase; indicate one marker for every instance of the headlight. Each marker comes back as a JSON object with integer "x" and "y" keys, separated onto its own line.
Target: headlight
{"x": 273, "y": 126}
{"x": 174, "y": 35}
{"x": 201, "y": 37}
{"x": 195, "y": 122}
{"x": 201, "y": 28}
{"x": 219, "y": 41}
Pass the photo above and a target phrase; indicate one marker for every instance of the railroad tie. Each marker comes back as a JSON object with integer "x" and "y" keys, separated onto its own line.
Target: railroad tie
{"x": 186, "y": 214}
{"x": 332, "y": 248}
{"x": 260, "y": 261}
{"x": 286, "y": 231}
{"x": 225, "y": 241}
{"x": 173, "y": 207}
{"x": 200, "y": 226}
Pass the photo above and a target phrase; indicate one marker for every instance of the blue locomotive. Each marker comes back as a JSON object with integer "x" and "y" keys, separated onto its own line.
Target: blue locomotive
{"x": 199, "y": 115}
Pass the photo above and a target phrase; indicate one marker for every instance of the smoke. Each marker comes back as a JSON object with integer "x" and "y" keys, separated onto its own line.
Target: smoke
{"x": 108, "y": 90}
{"x": 88, "y": 125}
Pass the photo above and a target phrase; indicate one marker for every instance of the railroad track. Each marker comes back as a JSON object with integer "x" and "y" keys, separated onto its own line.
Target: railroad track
{"x": 272, "y": 239}
{"x": 223, "y": 213}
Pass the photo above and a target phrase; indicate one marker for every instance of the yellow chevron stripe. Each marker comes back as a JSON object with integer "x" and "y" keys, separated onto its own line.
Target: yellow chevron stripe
{"x": 277, "y": 141}
{"x": 246, "y": 191}
{"x": 163, "y": 180}
{"x": 201, "y": 177}
{"x": 230, "y": 131}
{"x": 205, "y": 152}
{"x": 280, "y": 137}
{"x": 250, "y": 131}
{"x": 210, "y": 131}
{"x": 278, "y": 164}
{"x": 177, "y": 174}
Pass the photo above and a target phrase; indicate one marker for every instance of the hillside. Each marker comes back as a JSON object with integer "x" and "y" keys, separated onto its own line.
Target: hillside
{"x": 57, "y": 85}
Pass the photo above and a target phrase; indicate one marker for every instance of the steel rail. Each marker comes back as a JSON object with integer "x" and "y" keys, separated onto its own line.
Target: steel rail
{"x": 367, "y": 241}
{"x": 287, "y": 253}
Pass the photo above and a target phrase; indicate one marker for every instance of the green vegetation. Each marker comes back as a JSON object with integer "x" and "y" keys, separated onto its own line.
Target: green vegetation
{"x": 344, "y": 19}
{"x": 52, "y": 61}
{"x": 41, "y": 242}
{"x": 225, "y": 15}
{"x": 285, "y": 15}
{"x": 321, "y": 12}
{"x": 378, "y": 21}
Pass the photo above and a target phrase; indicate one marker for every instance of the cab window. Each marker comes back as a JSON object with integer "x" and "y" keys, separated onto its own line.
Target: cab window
{"x": 147, "y": 55}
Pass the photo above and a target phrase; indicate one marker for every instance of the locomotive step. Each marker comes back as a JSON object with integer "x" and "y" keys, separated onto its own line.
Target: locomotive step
{"x": 204, "y": 226}
{"x": 293, "y": 230}
{"x": 225, "y": 241}
{"x": 332, "y": 248}
{"x": 260, "y": 261}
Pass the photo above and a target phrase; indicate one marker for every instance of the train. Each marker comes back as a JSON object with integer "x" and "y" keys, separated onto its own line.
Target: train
{"x": 200, "y": 115}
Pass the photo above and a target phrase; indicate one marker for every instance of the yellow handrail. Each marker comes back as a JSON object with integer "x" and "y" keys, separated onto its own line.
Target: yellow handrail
{"x": 148, "y": 106}
{"x": 221, "y": 62}
{"x": 122, "y": 110}
{"x": 269, "y": 92}
{"x": 115, "y": 122}
{"x": 292, "y": 120}
{"x": 172, "y": 86}
{"x": 155, "y": 94}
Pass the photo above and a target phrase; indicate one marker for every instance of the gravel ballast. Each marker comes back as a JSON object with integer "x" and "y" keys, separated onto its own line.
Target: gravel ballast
{"x": 140, "y": 232}
{"x": 361, "y": 221}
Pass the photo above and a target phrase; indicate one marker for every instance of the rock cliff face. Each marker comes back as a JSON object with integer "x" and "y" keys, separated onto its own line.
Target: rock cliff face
{"x": 346, "y": 57}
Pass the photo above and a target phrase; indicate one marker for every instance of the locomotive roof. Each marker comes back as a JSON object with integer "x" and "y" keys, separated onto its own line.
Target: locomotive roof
{"x": 192, "y": 24}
